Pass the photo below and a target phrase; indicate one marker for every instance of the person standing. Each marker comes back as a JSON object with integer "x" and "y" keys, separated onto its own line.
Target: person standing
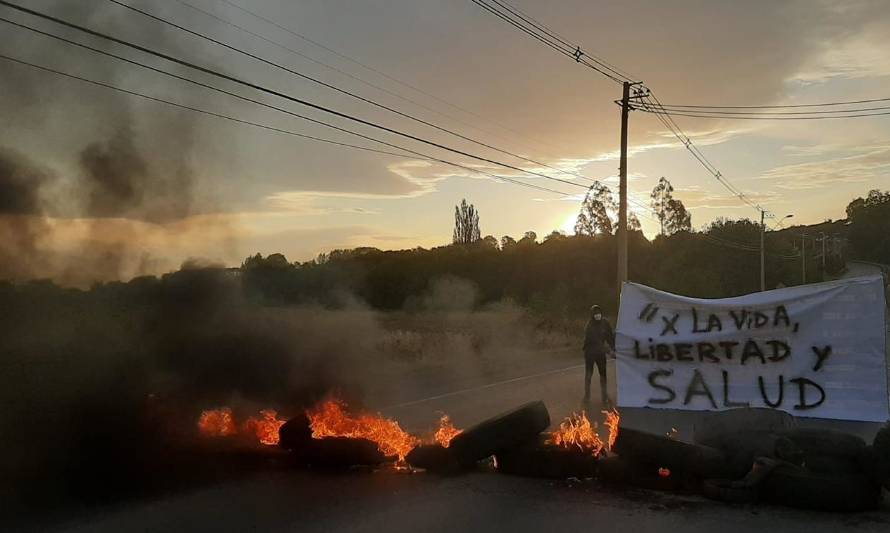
{"x": 599, "y": 339}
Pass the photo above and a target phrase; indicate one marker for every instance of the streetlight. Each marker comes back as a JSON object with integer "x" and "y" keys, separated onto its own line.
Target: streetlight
{"x": 763, "y": 250}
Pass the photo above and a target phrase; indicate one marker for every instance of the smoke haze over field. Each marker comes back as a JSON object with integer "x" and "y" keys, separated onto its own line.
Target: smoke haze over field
{"x": 125, "y": 182}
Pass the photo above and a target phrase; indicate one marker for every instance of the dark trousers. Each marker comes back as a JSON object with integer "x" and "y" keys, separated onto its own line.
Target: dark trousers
{"x": 598, "y": 359}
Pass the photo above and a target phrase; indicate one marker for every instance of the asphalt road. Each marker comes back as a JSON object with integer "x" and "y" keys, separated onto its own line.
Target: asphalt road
{"x": 283, "y": 499}
{"x": 295, "y": 500}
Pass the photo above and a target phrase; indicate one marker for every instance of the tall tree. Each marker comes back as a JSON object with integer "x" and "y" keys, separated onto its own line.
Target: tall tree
{"x": 593, "y": 217}
{"x": 662, "y": 195}
{"x": 466, "y": 223}
{"x": 633, "y": 223}
{"x": 678, "y": 218}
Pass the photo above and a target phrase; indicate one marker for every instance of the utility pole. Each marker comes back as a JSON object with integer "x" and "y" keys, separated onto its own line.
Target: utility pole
{"x": 762, "y": 251}
{"x": 621, "y": 233}
{"x": 803, "y": 258}
{"x": 823, "y": 254}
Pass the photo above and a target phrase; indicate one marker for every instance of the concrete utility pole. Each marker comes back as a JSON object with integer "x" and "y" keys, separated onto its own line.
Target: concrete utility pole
{"x": 803, "y": 258}
{"x": 762, "y": 251}
{"x": 621, "y": 233}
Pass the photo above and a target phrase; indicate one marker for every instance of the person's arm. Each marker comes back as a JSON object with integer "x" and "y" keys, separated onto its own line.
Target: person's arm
{"x": 586, "y": 337}
{"x": 610, "y": 336}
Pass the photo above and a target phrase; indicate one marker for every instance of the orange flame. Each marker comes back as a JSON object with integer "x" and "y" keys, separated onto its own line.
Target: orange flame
{"x": 577, "y": 430}
{"x": 446, "y": 431}
{"x": 330, "y": 419}
{"x": 265, "y": 429}
{"x": 217, "y": 423}
{"x": 613, "y": 419}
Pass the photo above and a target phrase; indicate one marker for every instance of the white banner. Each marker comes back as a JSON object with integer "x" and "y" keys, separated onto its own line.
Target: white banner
{"x": 813, "y": 350}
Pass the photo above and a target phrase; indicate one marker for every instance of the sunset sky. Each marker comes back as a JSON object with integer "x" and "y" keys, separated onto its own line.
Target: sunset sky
{"x": 258, "y": 191}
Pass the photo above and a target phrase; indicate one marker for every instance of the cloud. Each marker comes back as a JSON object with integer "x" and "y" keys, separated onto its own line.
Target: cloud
{"x": 859, "y": 167}
{"x": 694, "y": 197}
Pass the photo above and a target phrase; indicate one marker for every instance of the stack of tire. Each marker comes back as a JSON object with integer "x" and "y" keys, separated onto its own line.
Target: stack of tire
{"x": 513, "y": 435}
{"x": 770, "y": 459}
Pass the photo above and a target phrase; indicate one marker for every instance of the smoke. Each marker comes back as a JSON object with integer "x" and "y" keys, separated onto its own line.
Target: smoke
{"x": 21, "y": 226}
{"x": 119, "y": 173}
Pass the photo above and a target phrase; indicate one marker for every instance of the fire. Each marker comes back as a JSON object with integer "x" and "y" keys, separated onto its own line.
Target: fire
{"x": 330, "y": 419}
{"x": 664, "y": 472}
{"x": 446, "y": 431}
{"x": 217, "y": 423}
{"x": 265, "y": 428}
{"x": 577, "y": 430}
{"x": 612, "y": 421}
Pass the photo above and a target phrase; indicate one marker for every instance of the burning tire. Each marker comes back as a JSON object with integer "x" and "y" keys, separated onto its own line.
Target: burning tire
{"x": 539, "y": 459}
{"x": 434, "y": 458}
{"x": 295, "y": 434}
{"x": 503, "y": 432}
{"x": 681, "y": 457}
{"x": 341, "y": 452}
{"x": 798, "y": 487}
{"x": 749, "y": 419}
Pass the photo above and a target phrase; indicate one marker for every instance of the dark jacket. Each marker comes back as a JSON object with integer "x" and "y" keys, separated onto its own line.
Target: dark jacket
{"x": 597, "y": 334}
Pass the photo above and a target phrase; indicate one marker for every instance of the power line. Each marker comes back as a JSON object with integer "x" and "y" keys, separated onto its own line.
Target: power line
{"x": 785, "y": 106}
{"x": 335, "y": 88}
{"x": 255, "y": 86}
{"x": 380, "y": 72}
{"x": 652, "y": 101}
{"x": 199, "y": 110}
{"x": 564, "y": 41}
{"x": 331, "y": 67}
{"x": 777, "y": 113}
{"x": 269, "y": 106}
{"x": 735, "y": 117}
{"x": 577, "y": 54}
{"x": 560, "y": 45}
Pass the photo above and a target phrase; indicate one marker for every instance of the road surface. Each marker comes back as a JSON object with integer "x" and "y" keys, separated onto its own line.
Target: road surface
{"x": 295, "y": 500}
{"x": 284, "y": 499}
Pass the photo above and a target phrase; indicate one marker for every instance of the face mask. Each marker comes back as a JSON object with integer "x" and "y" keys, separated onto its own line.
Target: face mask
{"x": 597, "y": 316}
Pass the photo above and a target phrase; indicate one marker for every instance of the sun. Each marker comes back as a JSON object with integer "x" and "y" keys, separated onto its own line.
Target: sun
{"x": 568, "y": 224}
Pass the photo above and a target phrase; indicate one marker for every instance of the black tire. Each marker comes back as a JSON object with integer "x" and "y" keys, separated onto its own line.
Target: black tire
{"x": 724, "y": 491}
{"x": 688, "y": 459}
{"x": 834, "y": 464}
{"x": 615, "y": 470}
{"x": 742, "y": 448}
{"x": 434, "y": 458}
{"x": 826, "y": 442}
{"x": 295, "y": 433}
{"x": 503, "y": 432}
{"x": 880, "y": 450}
{"x": 539, "y": 459}
{"x": 758, "y": 419}
{"x": 798, "y": 487}
{"x": 341, "y": 452}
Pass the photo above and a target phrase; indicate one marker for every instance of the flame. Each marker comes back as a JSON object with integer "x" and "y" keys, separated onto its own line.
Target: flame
{"x": 265, "y": 428}
{"x": 330, "y": 419}
{"x": 664, "y": 472}
{"x": 446, "y": 431}
{"x": 613, "y": 419}
{"x": 217, "y": 423}
{"x": 577, "y": 430}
